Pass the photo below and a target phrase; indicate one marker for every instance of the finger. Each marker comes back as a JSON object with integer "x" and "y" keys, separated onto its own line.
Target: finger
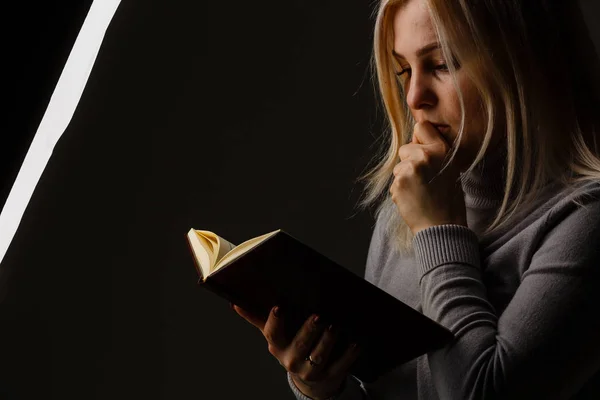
{"x": 425, "y": 133}
{"x": 412, "y": 151}
{"x": 321, "y": 353}
{"x": 421, "y": 166}
{"x": 274, "y": 332}
{"x": 302, "y": 344}
{"x": 403, "y": 172}
{"x": 248, "y": 316}
{"x": 342, "y": 365}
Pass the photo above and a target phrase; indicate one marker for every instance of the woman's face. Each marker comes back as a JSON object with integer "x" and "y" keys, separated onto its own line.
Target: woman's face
{"x": 430, "y": 92}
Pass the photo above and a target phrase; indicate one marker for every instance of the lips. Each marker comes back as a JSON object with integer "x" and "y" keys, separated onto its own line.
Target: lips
{"x": 442, "y": 127}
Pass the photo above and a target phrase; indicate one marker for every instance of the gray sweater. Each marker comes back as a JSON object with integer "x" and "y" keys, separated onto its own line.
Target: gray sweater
{"x": 524, "y": 304}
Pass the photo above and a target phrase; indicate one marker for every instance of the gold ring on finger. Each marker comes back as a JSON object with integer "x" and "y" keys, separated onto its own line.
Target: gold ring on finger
{"x": 312, "y": 362}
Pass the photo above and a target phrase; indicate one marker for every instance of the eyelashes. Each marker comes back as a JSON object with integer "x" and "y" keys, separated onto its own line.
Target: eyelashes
{"x": 437, "y": 68}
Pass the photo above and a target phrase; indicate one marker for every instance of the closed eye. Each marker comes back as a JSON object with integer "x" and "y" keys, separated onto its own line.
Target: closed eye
{"x": 403, "y": 71}
{"x": 440, "y": 67}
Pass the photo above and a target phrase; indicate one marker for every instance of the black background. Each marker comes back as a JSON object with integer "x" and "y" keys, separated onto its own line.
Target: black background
{"x": 237, "y": 117}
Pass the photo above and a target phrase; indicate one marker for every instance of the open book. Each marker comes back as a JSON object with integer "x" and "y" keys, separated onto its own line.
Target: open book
{"x": 213, "y": 252}
{"x": 278, "y": 269}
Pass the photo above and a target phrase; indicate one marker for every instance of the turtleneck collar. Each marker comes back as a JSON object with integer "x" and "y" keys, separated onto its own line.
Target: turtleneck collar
{"x": 484, "y": 186}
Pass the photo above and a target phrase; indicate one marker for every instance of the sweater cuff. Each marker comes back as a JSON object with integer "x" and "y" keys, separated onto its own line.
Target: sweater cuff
{"x": 445, "y": 244}
{"x": 352, "y": 390}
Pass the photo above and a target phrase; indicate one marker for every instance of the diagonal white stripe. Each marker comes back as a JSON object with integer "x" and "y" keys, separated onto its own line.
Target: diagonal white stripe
{"x": 58, "y": 114}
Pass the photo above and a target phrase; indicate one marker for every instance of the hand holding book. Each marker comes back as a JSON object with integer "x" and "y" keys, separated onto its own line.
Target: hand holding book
{"x": 276, "y": 269}
{"x": 307, "y": 357}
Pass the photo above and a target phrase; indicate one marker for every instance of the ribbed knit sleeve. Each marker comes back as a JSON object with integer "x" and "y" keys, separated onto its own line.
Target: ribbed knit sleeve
{"x": 353, "y": 390}
{"x": 446, "y": 244}
{"x": 544, "y": 344}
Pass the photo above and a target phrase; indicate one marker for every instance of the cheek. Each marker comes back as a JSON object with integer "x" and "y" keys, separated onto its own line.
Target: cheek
{"x": 475, "y": 120}
{"x": 451, "y": 104}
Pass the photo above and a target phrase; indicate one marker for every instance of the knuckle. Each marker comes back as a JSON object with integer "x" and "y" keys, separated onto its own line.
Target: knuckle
{"x": 404, "y": 179}
{"x": 413, "y": 167}
{"x": 399, "y": 169}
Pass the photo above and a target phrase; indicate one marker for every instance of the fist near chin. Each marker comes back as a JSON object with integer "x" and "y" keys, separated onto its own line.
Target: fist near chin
{"x": 424, "y": 199}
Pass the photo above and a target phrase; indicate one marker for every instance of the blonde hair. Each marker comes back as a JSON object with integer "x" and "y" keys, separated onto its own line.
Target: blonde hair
{"x": 536, "y": 71}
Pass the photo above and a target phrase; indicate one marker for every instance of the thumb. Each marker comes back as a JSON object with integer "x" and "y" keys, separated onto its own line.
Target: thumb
{"x": 425, "y": 133}
{"x": 249, "y": 316}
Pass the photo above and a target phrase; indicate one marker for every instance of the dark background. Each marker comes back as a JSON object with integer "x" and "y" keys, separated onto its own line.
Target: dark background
{"x": 237, "y": 117}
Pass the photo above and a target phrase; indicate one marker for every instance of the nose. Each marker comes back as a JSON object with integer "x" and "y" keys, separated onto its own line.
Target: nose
{"x": 420, "y": 94}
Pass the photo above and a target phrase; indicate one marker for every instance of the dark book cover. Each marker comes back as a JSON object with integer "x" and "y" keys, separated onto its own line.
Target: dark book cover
{"x": 286, "y": 272}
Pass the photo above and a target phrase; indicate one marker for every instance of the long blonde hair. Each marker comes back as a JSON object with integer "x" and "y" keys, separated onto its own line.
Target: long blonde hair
{"x": 536, "y": 70}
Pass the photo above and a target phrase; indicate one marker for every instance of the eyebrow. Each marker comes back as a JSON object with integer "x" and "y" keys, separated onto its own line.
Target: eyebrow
{"x": 422, "y": 51}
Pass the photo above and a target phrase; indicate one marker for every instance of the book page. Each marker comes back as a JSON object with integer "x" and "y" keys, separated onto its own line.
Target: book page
{"x": 243, "y": 248}
{"x": 215, "y": 247}
{"x": 213, "y": 252}
{"x": 224, "y": 247}
{"x": 202, "y": 249}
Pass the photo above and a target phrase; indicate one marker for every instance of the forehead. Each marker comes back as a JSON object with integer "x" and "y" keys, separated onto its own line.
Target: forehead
{"x": 412, "y": 27}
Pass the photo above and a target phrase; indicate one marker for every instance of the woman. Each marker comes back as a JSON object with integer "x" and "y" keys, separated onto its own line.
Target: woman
{"x": 491, "y": 220}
